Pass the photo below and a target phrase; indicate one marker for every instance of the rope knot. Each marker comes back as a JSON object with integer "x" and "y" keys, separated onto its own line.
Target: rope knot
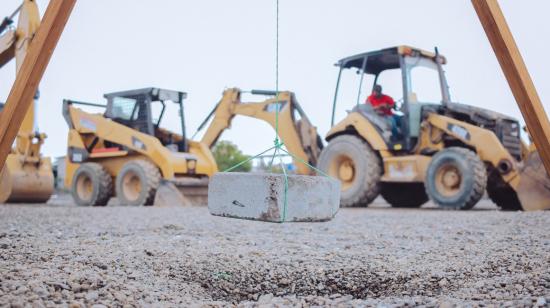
{"x": 278, "y": 144}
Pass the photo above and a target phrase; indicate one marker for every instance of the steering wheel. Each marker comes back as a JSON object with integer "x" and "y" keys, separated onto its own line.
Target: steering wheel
{"x": 398, "y": 104}
{"x": 397, "y": 107}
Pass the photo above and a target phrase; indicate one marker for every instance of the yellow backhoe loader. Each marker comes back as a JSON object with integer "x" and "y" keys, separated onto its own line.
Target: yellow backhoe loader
{"x": 126, "y": 152}
{"x": 296, "y": 131}
{"x": 448, "y": 152}
{"x": 26, "y": 176}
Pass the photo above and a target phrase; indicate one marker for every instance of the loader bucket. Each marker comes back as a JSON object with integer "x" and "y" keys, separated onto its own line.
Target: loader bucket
{"x": 26, "y": 182}
{"x": 182, "y": 192}
{"x": 534, "y": 186}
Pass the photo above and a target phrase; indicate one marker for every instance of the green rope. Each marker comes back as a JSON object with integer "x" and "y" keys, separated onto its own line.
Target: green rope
{"x": 270, "y": 165}
{"x": 278, "y": 145}
{"x": 283, "y": 217}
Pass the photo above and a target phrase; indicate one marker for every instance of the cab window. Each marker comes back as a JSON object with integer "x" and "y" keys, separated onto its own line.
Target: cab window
{"x": 423, "y": 80}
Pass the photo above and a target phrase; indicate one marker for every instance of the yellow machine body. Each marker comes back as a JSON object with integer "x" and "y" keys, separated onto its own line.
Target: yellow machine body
{"x": 111, "y": 146}
{"x": 88, "y": 126}
{"x": 527, "y": 177}
{"x": 514, "y": 169}
{"x": 27, "y": 176}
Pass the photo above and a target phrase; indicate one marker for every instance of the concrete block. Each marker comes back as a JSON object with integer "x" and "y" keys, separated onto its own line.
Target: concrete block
{"x": 260, "y": 196}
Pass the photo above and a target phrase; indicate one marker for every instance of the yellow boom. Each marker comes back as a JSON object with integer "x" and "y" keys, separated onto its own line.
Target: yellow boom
{"x": 26, "y": 176}
{"x": 296, "y": 131}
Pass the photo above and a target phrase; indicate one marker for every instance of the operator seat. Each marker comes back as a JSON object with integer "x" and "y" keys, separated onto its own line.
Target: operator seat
{"x": 377, "y": 120}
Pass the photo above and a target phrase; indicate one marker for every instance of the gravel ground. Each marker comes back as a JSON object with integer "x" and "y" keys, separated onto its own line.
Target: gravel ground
{"x": 147, "y": 256}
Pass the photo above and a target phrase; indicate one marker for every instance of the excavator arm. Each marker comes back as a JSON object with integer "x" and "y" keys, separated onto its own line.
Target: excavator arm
{"x": 27, "y": 176}
{"x": 14, "y": 43}
{"x": 7, "y": 47}
{"x": 296, "y": 131}
{"x": 7, "y": 40}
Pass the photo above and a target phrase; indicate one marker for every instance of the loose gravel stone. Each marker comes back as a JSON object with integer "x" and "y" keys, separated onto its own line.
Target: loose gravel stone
{"x": 60, "y": 255}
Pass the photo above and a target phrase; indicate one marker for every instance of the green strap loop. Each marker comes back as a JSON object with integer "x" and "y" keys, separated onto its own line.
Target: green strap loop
{"x": 278, "y": 145}
{"x": 285, "y": 199}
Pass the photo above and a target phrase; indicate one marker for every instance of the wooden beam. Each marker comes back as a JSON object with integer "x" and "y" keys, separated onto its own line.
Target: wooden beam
{"x": 31, "y": 71}
{"x": 516, "y": 73}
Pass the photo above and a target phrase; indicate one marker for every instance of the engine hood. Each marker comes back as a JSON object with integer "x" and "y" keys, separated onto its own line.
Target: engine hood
{"x": 477, "y": 112}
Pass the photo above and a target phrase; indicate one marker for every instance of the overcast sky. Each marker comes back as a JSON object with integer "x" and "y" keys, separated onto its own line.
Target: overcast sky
{"x": 202, "y": 47}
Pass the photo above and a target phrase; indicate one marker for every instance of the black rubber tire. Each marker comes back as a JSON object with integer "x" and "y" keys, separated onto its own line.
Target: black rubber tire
{"x": 502, "y": 194}
{"x": 148, "y": 177}
{"x": 366, "y": 184}
{"x": 100, "y": 181}
{"x": 473, "y": 177}
{"x": 404, "y": 195}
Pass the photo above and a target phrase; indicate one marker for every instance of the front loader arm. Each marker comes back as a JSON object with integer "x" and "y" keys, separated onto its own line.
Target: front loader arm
{"x": 7, "y": 40}
{"x": 485, "y": 142}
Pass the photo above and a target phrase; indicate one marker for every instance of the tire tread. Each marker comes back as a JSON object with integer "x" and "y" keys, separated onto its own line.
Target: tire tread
{"x": 371, "y": 187}
{"x": 105, "y": 187}
{"x": 152, "y": 179}
{"x": 479, "y": 177}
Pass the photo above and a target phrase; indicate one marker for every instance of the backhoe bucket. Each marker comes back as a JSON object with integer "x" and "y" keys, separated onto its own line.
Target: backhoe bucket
{"x": 182, "y": 192}
{"x": 26, "y": 182}
{"x": 534, "y": 186}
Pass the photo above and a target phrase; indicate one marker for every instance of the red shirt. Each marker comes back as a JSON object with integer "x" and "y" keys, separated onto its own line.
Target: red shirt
{"x": 382, "y": 100}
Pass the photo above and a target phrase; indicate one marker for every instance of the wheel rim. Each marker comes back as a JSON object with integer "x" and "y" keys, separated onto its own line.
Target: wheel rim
{"x": 448, "y": 180}
{"x": 342, "y": 167}
{"x": 131, "y": 186}
{"x": 84, "y": 187}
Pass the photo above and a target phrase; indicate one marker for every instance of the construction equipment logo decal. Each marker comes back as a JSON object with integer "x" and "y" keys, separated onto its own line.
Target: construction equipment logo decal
{"x": 88, "y": 124}
{"x": 459, "y": 131}
{"x": 138, "y": 143}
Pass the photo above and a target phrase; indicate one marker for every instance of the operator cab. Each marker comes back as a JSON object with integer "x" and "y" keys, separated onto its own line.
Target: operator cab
{"x": 144, "y": 110}
{"x": 412, "y": 77}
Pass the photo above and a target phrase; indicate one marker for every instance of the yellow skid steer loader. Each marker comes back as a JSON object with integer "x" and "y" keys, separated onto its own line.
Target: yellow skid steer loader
{"x": 126, "y": 152}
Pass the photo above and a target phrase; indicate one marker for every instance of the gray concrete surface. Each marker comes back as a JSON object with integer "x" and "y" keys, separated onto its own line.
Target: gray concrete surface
{"x": 61, "y": 255}
{"x": 261, "y": 196}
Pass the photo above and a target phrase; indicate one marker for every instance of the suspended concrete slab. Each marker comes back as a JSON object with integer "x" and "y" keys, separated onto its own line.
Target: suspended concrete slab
{"x": 261, "y": 196}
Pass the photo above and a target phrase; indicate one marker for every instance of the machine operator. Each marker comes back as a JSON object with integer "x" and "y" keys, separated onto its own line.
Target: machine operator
{"x": 383, "y": 105}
